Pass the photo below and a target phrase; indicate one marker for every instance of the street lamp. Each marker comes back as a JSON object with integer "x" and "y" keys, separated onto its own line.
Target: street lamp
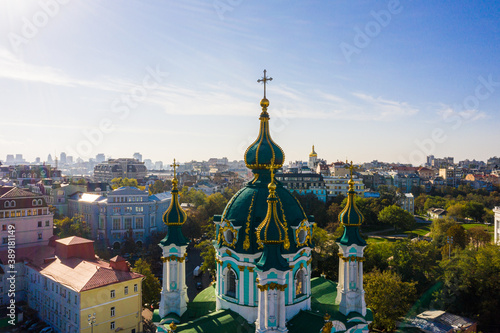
{"x": 91, "y": 320}
{"x": 449, "y": 240}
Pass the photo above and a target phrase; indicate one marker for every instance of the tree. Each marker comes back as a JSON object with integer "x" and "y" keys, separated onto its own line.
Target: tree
{"x": 313, "y": 206}
{"x": 208, "y": 254}
{"x": 397, "y": 217}
{"x": 119, "y": 182}
{"x": 324, "y": 255}
{"x": 439, "y": 227}
{"x": 420, "y": 202}
{"x": 416, "y": 261}
{"x": 388, "y": 296}
{"x": 475, "y": 210}
{"x": 160, "y": 186}
{"x": 478, "y": 236}
{"x": 151, "y": 287}
{"x": 471, "y": 284}
{"x": 377, "y": 255}
{"x": 457, "y": 210}
{"x": 74, "y": 226}
{"x": 457, "y": 233}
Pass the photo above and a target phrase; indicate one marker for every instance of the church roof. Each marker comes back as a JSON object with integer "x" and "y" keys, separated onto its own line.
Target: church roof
{"x": 264, "y": 150}
{"x": 249, "y": 207}
{"x": 351, "y": 218}
{"x": 174, "y": 217}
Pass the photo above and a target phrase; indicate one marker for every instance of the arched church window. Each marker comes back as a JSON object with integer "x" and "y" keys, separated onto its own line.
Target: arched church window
{"x": 302, "y": 236}
{"x": 300, "y": 289}
{"x": 231, "y": 283}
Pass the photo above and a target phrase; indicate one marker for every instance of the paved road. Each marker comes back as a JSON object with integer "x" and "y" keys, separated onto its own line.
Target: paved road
{"x": 194, "y": 259}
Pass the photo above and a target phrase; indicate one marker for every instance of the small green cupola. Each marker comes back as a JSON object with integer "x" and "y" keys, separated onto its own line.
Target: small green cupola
{"x": 272, "y": 233}
{"x": 351, "y": 218}
{"x": 174, "y": 217}
{"x": 259, "y": 154}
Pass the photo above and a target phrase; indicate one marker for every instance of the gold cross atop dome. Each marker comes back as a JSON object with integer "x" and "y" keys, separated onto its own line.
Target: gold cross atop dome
{"x": 265, "y": 79}
{"x": 174, "y": 165}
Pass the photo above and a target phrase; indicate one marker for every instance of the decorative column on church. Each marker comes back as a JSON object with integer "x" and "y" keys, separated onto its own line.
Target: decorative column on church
{"x": 173, "y": 295}
{"x": 251, "y": 283}
{"x": 242, "y": 284}
{"x": 351, "y": 296}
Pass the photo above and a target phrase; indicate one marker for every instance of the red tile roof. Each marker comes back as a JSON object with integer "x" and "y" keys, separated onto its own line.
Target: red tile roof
{"x": 73, "y": 240}
{"x": 16, "y": 192}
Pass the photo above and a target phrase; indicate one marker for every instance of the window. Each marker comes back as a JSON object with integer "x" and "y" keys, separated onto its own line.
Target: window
{"x": 153, "y": 222}
{"x": 112, "y": 325}
{"x": 125, "y": 291}
{"x": 112, "y": 311}
{"x": 231, "y": 283}
{"x": 101, "y": 222}
{"x": 76, "y": 299}
{"x": 116, "y": 223}
{"x": 139, "y": 209}
{"x": 112, "y": 294}
{"x": 5, "y": 240}
{"x": 116, "y": 210}
{"x": 39, "y": 224}
{"x": 39, "y": 235}
{"x": 299, "y": 283}
{"x": 139, "y": 223}
{"x": 128, "y": 209}
{"x": 47, "y": 223}
{"x": 127, "y": 223}
{"x": 135, "y": 288}
{"x": 4, "y": 227}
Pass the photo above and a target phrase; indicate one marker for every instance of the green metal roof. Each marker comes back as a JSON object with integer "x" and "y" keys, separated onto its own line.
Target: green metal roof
{"x": 351, "y": 236}
{"x": 248, "y": 208}
{"x": 174, "y": 236}
{"x": 271, "y": 258}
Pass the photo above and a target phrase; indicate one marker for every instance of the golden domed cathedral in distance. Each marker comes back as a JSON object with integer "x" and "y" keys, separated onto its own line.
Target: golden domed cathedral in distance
{"x": 263, "y": 260}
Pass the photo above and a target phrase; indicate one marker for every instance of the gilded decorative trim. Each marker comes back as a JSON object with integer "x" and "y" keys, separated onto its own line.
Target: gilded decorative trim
{"x": 272, "y": 286}
{"x": 241, "y": 268}
{"x": 292, "y": 266}
{"x": 250, "y": 269}
{"x": 229, "y": 266}
{"x": 286, "y": 245}
{"x": 173, "y": 257}
{"x": 350, "y": 258}
{"x": 218, "y": 261}
{"x": 304, "y": 227}
{"x": 229, "y": 227}
{"x": 229, "y": 253}
{"x": 246, "y": 243}
{"x": 309, "y": 261}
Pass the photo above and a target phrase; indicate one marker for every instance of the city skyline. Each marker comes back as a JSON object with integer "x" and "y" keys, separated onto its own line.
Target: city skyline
{"x": 391, "y": 81}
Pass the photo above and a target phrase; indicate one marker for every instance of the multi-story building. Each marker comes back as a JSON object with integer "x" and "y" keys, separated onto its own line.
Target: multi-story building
{"x": 496, "y": 228}
{"x": 339, "y": 169}
{"x": 406, "y": 182}
{"x": 120, "y": 214}
{"x": 70, "y": 287}
{"x": 120, "y": 167}
{"x": 407, "y": 202}
{"x": 25, "y": 213}
{"x": 340, "y": 186}
{"x": 304, "y": 183}
{"x": 451, "y": 175}
{"x": 25, "y": 174}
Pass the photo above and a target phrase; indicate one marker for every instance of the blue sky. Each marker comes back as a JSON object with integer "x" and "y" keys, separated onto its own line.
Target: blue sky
{"x": 386, "y": 80}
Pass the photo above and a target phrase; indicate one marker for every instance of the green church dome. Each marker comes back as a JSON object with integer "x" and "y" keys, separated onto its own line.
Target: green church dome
{"x": 248, "y": 208}
{"x": 264, "y": 150}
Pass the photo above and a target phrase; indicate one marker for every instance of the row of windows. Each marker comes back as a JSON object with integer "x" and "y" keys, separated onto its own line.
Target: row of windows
{"x": 126, "y": 199}
{"x": 22, "y": 213}
{"x": 127, "y": 223}
{"x": 112, "y": 293}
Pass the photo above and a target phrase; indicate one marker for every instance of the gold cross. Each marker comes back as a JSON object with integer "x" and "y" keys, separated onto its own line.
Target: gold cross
{"x": 350, "y": 166}
{"x": 265, "y": 79}
{"x": 175, "y": 165}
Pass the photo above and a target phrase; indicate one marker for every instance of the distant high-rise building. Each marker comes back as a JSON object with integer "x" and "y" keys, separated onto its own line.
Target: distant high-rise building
{"x": 69, "y": 159}
{"x": 37, "y": 160}
{"x": 19, "y": 158}
{"x": 138, "y": 156}
{"x": 9, "y": 159}
{"x": 430, "y": 158}
{"x": 99, "y": 158}
{"x": 149, "y": 164}
{"x": 49, "y": 159}
{"x": 62, "y": 158}
{"x": 158, "y": 165}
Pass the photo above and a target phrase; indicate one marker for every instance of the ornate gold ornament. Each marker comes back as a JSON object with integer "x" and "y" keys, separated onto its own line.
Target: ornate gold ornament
{"x": 246, "y": 243}
{"x": 228, "y": 227}
{"x": 272, "y": 286}
{"x": 305, "y": 228}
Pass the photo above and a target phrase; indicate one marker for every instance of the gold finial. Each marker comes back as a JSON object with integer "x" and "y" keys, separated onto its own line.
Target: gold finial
{"x": 174, "y": 181}
{"x": 326, "y": 317}
{"x": 272, "y": 185}
{"x": 172, "y": 327}
{"x": 351, "y": 168}
{"x": 265, "y": 79}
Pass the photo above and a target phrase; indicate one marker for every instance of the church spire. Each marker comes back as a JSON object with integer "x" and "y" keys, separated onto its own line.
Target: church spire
{"x": 174, "y": 217}
{"x": 259, "y": 154}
